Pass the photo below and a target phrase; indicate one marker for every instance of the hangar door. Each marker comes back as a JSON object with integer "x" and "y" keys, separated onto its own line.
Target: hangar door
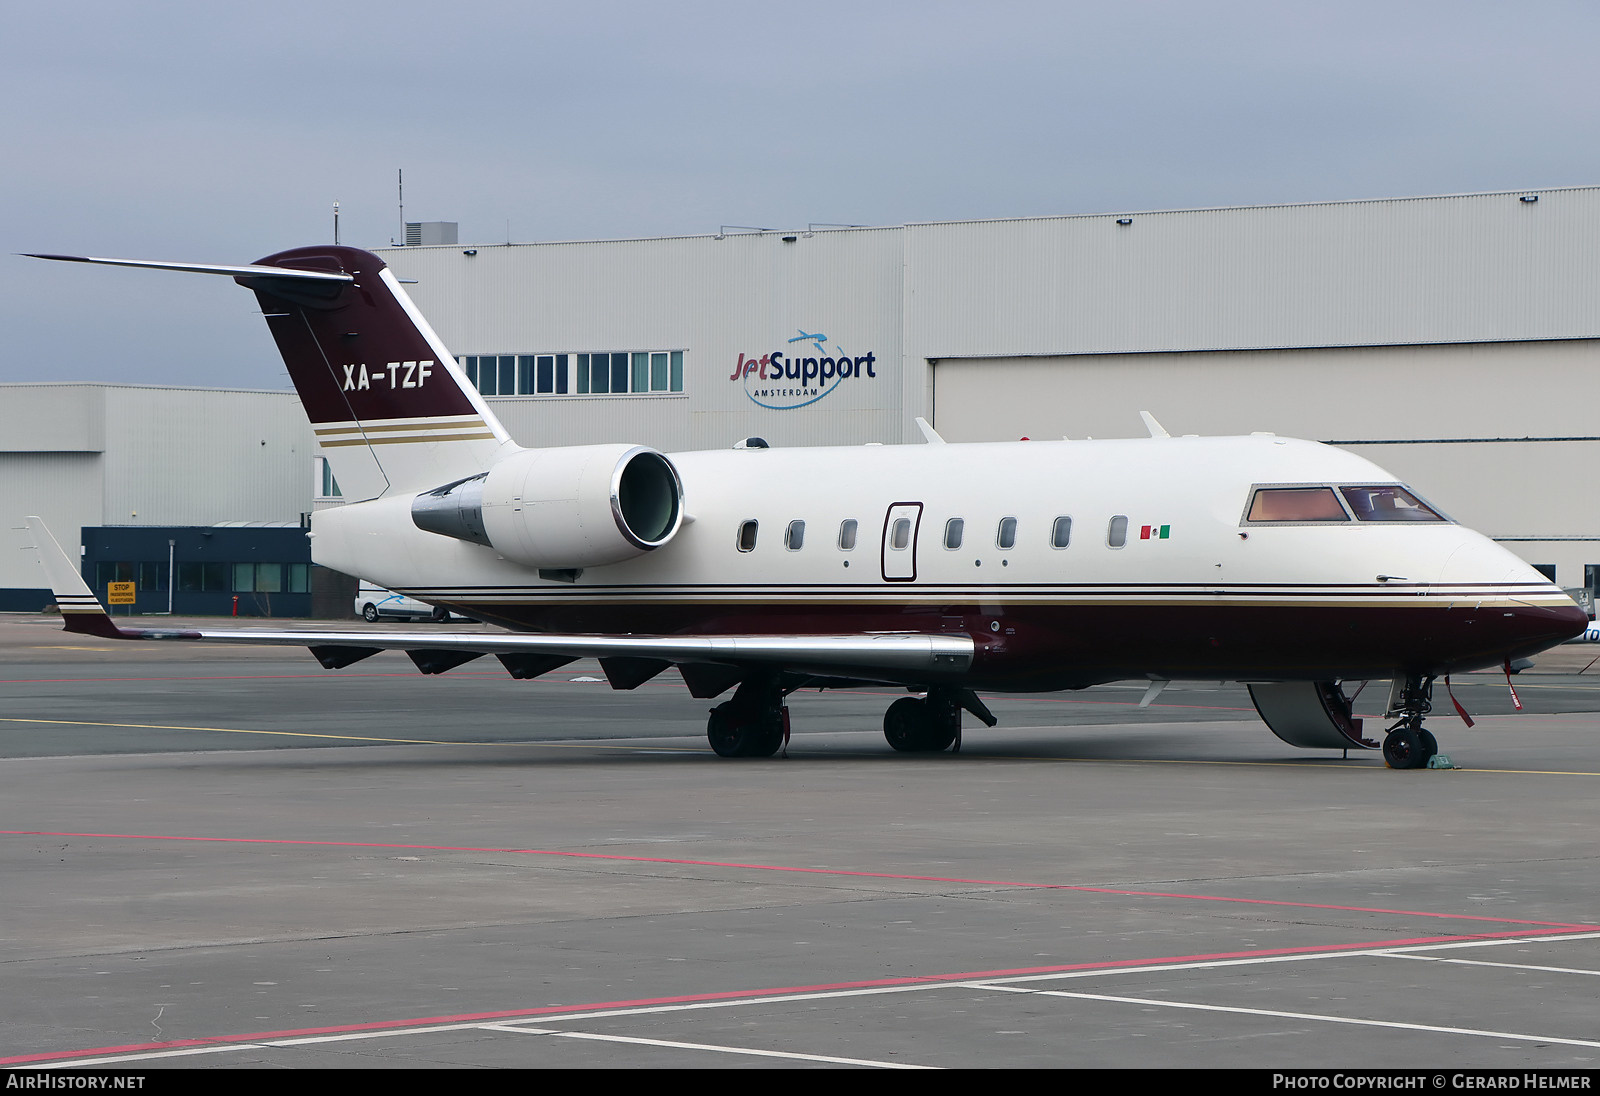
{"x": 1370, "y": 393}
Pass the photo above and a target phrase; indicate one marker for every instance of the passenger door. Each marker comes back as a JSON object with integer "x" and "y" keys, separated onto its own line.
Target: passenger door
{"x": 899, "y": 552}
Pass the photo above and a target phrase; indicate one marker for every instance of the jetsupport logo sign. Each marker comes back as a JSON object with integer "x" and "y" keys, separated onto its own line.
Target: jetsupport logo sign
{"x": 790, "y": 379}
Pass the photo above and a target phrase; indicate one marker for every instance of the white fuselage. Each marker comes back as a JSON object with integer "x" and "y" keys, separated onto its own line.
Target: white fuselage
{"x": 1232, "y": 590}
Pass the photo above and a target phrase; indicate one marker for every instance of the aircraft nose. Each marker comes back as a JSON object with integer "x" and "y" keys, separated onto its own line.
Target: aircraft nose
{"x": 1531, "y": 622}
{"x": 1516, "y": 613}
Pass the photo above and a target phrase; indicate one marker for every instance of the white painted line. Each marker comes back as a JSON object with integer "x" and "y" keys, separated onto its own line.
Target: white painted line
{"x": 1310, "y": 1016}
{"x": 997, "y": 984}
{"x": 1208, "y": 964}
{"x": 701, "y": 1046}
{"x": 1509, "y": 966}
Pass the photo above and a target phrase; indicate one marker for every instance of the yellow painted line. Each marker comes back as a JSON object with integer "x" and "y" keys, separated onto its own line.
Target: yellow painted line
{"x": 64, "y": 647}
{"x": 1307, "y": 763}
{"x": 339, "y": 737}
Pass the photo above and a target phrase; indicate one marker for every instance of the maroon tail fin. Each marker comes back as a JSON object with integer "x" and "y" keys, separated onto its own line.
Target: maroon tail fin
{"x": 391, "y": 409}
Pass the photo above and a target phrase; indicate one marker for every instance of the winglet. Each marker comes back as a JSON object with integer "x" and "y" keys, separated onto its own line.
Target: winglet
{"x": 80, "y": 610}
{"x": 929, "y": 434}
{"x": 1155, "y": 428}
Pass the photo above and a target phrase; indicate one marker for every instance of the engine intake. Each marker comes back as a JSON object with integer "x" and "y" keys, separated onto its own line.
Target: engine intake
{"x": 568, "y": 507}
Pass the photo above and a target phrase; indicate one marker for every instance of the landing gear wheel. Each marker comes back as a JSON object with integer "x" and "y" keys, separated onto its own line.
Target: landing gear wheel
{"x": 1404, "y": 749}
{"x": 1408, "y": 745}
{"x": 1430, "y": 746}
{"x": 944, "y": 722}
{"x": 921, "y": 725}
{"x": 439, "y": 615}
{"x": 731, "y": 736}
{"x": 369, "y": 613}
{"x": 906, "y": 725}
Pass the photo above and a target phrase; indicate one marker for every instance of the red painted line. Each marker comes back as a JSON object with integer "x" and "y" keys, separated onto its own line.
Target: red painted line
{"x": 729, "y": 995}
{"x": 839, "y": 872}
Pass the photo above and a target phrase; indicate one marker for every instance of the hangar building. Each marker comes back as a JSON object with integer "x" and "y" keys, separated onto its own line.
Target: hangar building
{"x": 1453, "y": 340}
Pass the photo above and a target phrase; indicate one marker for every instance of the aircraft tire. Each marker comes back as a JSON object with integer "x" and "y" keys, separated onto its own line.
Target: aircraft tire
{"x": 439, "y": 615}
{"x": 1430, "y": 745}
{"x": 723, "y": 732}
{"x": 1403, "y": 749}
{"x": 369, "y": 613}
{"x": 907, "y": 727}
{"x": 732, "y": 737}
{"x": 764, "y": 739}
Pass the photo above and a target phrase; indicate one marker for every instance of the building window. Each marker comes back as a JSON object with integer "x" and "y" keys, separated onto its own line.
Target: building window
{"x": 612, "y": 373}
{"x": 325, "y": 486}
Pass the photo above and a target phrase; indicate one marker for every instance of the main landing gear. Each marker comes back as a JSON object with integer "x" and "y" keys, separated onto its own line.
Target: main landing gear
{"x": 1408, "y": 745}
{"x": 923, "y": 724}
{"x": 754, "y": 723}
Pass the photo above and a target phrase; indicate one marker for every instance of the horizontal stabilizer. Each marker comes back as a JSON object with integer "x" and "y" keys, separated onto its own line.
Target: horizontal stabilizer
{"x": 250, "y": 270}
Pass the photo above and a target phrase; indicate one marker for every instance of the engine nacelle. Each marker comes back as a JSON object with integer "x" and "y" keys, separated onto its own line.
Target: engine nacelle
{"x": 562, "y": 508}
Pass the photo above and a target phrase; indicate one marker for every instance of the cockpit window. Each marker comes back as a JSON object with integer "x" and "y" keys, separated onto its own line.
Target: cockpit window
{"x": 1296, "y": 504}
{"x": 1388, "y": 502}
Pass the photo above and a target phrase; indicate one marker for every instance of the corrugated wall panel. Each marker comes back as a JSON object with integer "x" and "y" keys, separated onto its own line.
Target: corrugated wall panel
{"x": 187, "y": 456}
{"x": 62, "y": 488}
{"x": 1434, "y": 270}
{"x": 747, "y": 294}
{"x": 52, "y": 418}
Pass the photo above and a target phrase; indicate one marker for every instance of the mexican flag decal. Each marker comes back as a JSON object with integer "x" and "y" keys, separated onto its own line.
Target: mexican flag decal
{"x": 1154, "y": 532}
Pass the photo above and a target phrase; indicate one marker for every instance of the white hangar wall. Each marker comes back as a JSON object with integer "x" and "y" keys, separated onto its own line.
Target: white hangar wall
{"x": 95, "y": 454}
{"x": 1453, "y": 340}
{"x": 714, "y": 300}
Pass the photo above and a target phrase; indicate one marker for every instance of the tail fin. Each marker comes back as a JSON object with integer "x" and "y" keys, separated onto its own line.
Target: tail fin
{"x": 80, "y": 611}
{"x": 392, "y": 411}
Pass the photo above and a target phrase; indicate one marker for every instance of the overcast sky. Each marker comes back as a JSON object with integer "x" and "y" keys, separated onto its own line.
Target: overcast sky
{"x": 221, "y": 132}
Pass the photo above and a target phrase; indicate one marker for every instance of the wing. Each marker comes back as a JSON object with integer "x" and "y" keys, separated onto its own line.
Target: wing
{"x": 709, "y": 663}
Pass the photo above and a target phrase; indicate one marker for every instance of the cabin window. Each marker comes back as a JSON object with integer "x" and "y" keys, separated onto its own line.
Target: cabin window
{"x": 847, "y": 535}
{"x": 1388, "y": 502}
{"x": 1117, "y": 531}
{"x": 747, "y": 536}
{"x": 794, "y": 537}
{"x": 952, "y": 532}
{"x": 1296, "y": 504}
{"x": 900, "y": 534}
{"x": 1006, "y": 535}
{"x": 1061, "y": 533}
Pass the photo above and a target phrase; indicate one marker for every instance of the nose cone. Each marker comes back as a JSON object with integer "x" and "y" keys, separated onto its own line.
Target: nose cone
{"x": 1501, "y": 607}
{"x": 1528, "y": 629}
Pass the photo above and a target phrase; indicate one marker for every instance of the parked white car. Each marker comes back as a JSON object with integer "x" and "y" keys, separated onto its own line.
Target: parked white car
{"x": 374, "y": 603}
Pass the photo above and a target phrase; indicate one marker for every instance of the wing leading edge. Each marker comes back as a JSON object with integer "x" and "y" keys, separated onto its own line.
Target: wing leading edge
{"x": 629, "y": 660}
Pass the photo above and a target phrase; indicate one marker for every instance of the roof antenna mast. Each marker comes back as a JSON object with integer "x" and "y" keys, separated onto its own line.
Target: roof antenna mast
{"x": 336, "y": 222}
{"x": 400, "y": 187}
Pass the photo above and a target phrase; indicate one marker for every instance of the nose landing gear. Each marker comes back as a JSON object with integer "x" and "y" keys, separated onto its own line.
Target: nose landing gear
{"x": 1408, "y": 745}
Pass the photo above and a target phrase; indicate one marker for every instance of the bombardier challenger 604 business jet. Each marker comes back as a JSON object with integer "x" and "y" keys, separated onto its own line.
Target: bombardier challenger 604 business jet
{"x": 1288, "y": 565}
